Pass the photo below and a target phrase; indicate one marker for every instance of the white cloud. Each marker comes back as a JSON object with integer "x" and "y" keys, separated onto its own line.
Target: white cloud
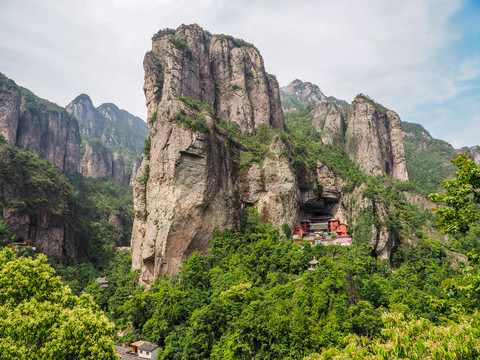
{"x": 398, "y": 52}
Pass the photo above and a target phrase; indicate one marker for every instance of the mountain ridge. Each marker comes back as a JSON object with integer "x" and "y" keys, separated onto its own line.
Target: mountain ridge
{"x": 205, "y": 162}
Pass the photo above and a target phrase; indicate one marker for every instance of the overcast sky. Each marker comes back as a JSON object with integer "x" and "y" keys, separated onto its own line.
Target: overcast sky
{"x": 418, "y": 58}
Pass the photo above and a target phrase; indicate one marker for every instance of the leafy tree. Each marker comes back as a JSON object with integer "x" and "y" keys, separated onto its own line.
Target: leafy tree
{"x": 40, "y": 318}
{"x": 461, "y": 197}
{"x": 408, "y": 337}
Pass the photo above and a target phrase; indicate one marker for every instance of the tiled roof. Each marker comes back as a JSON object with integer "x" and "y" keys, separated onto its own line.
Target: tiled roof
{"x": 123, "y": 352}
{"x": 146, "y": 346}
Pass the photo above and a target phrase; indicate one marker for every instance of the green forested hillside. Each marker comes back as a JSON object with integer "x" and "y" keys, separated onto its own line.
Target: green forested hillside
{"x": 428, "y": 159}
{"x": 98, "y": 212}
{"x": 254, "y": 296}
{"x": 31, "y": 183}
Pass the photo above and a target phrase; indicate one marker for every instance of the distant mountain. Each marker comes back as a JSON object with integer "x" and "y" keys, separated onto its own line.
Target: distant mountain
{"x": 33, "y": 123}
{"x": 113, "y": 126}
{"x": 368, "y": 132}
{"x": 298, "y": 94}
{"x": 428, "y": 159}
{"x": 120, "y": 135}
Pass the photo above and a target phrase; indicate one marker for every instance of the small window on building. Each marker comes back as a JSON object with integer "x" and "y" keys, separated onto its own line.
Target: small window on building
{"x": 147, "y": 353}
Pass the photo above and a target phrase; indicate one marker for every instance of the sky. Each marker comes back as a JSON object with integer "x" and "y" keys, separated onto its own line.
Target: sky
{"x": 420, "y": 58}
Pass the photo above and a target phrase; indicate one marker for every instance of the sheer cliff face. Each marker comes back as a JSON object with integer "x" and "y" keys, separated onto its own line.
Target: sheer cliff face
{"x": 90, "y": 121}
{"x": 32, "y": 123}
{"x": 329, "y": 120}
{"x": 224, "y": 73}
{"x": 9, "y": 109}
{"x": 188, "y": 183}
{"x": 98, "y": 162}
{"x": 374, "y": 139}
{"x": 53, "y": 134}
{"x": 193, "y": 180}
{"x": 33, "y": 211}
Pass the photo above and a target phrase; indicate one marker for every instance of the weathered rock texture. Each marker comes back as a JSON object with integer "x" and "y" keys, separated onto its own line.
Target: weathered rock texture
{"x": 32, "y": 123}
{"x": 329, "y": 121}
{"x": 195, "y": 177}
{"x": 188, "y": 184}
{"x": 135, "y": 166}
{"x": 299, "y": 93}
{"x": 98, "y": 162}
{"x": 114, "y": 128}
{"x": 36, "y": 205}
{"x": 374, "y": 139}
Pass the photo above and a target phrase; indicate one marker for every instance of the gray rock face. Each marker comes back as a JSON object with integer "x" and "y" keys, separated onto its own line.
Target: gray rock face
{"x": 34, "y": 211}
{"x": 90, "y": 121}
{"x": 188, "y": 184}
{"x": 118, "y": 168}
{"x": 98, "y": 162}
{"x": 32, "y": 123}
{"x": 9, "y": 108}
{"x": 329, "y": 120}
{"x": 374, "y": 139}
{"x": 135, "y": 166}
{"x": 190, "y": 181}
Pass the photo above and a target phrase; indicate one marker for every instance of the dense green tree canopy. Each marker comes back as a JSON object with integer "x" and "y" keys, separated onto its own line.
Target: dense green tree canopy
{"x": 461, "y": 197}
{"x": 40, "y": 318}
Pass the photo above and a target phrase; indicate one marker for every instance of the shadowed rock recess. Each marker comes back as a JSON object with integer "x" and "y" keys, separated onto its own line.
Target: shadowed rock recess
{"x": 194, "y": 177}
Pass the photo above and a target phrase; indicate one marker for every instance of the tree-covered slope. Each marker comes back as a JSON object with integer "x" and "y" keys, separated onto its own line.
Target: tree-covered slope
{"x": 37, "y": 203}
{"x": 67, "y": 217}
{"x": 428, "y": 159}
{"x": 254, "y": 297}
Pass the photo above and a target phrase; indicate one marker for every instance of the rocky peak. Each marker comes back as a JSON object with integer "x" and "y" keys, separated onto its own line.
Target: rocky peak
{"x": 115, "y": 127}
{"x": 119, "y": 116}
{"x": 225, "y": 73}
{"x": 329, "y": 120}
{"x": 90, "y": 121}
{"x": 33, "y": 123}
{"x": 299, "y": 93}
{"x": 374, "y": 139}
{"x": 188, "y": 182}
{"x": 415, "y": 131}
{"x": 98, "y": 162}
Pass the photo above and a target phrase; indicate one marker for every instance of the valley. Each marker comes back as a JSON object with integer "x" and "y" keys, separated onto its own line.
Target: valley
{"x": 241, "y": 220}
